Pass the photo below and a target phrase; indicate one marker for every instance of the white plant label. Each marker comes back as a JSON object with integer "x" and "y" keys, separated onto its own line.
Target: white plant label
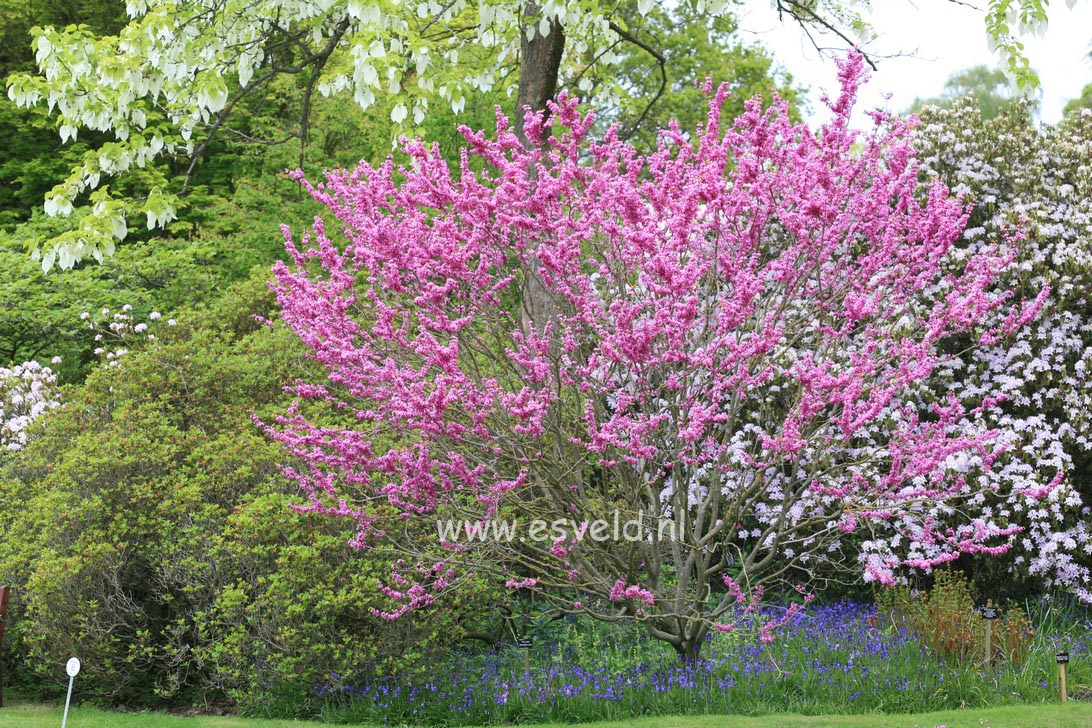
{"x": 73, "y": 669}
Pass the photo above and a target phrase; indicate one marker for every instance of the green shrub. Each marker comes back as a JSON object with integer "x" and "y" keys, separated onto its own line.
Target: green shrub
{"x": 147, "y": 530}
{"x": 945, "y": 621}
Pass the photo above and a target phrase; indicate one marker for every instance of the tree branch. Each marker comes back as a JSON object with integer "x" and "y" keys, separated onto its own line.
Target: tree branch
{"x": 317, "y": 61}
{"x": 660, "y": 61}
{"x": 806, "y": 17}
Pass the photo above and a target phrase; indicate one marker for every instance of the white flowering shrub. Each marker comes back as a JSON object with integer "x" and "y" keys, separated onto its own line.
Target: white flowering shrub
{"x": 27, "y": 391}
{"x": 1038, "y": 180}
{"x": 117, "y": 331}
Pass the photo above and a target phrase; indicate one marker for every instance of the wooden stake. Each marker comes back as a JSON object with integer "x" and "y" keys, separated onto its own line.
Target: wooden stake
{"x": 524, "y": 644}
{"x": 989, "y": 613}
{"x": 1062, "y": 657}
{"x": 5, "y": 594}
{"x": 989, "y": 643}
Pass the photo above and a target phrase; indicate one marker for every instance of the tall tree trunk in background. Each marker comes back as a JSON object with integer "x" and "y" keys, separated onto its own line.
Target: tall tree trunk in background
{"x": 539, "y": 64}
{"x": 539, "y": 68}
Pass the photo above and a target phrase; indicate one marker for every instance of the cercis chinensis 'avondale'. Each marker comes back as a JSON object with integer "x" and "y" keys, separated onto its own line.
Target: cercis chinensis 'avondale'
{"x": 729, "y": 336}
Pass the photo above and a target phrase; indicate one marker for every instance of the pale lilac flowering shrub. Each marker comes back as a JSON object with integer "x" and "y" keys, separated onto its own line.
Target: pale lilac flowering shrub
{"x": 27, "y": 391}
{"x": 1041, "y": 180}
{"x": 117, "y": 330}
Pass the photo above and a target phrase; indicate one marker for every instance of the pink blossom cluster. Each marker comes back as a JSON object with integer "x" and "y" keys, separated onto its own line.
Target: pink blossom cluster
{"x": 620, "y": 591}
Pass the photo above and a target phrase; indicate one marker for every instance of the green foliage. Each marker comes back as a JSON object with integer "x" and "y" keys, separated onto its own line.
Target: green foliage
{"x": 1006, "y": 21}
{"x": 106, "y": 530}
{"x": 34, "y": 157}
{"x": 40, "y": 315}
{"x": 694, "y": 47}
{"x": 147, "y": 530}
{"x": 105, "y": 16}
{"x": 1084, "y": 101}
{"x": 988, "y": 89}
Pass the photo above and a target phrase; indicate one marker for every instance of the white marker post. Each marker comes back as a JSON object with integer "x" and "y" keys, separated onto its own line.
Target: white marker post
{"x": 73, "y": 669}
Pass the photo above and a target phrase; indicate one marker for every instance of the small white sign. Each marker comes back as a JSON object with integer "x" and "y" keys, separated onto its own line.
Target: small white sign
{"x": 73, "y": 669}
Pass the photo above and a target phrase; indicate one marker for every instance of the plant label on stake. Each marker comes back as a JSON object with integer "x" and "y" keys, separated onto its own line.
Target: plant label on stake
{"x": 989, "y": 613}
{"x": 73, "y": 669}
{"x": 1063, "y": 658}
{"x": 524, "y": 643}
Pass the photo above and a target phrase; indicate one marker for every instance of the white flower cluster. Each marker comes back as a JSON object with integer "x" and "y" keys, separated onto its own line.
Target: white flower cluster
{"x": 116, "y": 330}
{"x": 27, "y": 391}
{"x": 1040, "y": 180}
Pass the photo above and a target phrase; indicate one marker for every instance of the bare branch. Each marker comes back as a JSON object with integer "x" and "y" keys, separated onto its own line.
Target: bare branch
{"x": 806, "y": 17}
{"x": 660, "y": 61}
{"x": 316, "y": 61}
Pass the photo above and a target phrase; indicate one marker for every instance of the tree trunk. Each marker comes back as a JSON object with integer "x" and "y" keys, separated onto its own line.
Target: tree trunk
{"x": 686, "y": 637}
{"x": 539, "y": 65}
{"x": 688, "y": 650}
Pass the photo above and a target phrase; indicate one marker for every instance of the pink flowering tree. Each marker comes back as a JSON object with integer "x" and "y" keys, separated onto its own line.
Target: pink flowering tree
{"x": 721, "y": 346}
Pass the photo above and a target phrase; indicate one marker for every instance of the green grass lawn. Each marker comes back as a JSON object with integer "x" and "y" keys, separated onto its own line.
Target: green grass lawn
{"x": 1072, "y": 715}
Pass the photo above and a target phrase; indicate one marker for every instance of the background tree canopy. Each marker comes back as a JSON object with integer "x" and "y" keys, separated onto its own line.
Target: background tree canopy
{"x": 989, "y": 89}
{"x": 179, "y": 74}
{"x": 1084, "y": 101}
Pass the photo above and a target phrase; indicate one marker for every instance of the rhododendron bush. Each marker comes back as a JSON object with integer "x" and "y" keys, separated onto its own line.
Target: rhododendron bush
{"x": 730, "y": 336}
{"x": 1013, "y": 171}
{"x": 27, "y": 391}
